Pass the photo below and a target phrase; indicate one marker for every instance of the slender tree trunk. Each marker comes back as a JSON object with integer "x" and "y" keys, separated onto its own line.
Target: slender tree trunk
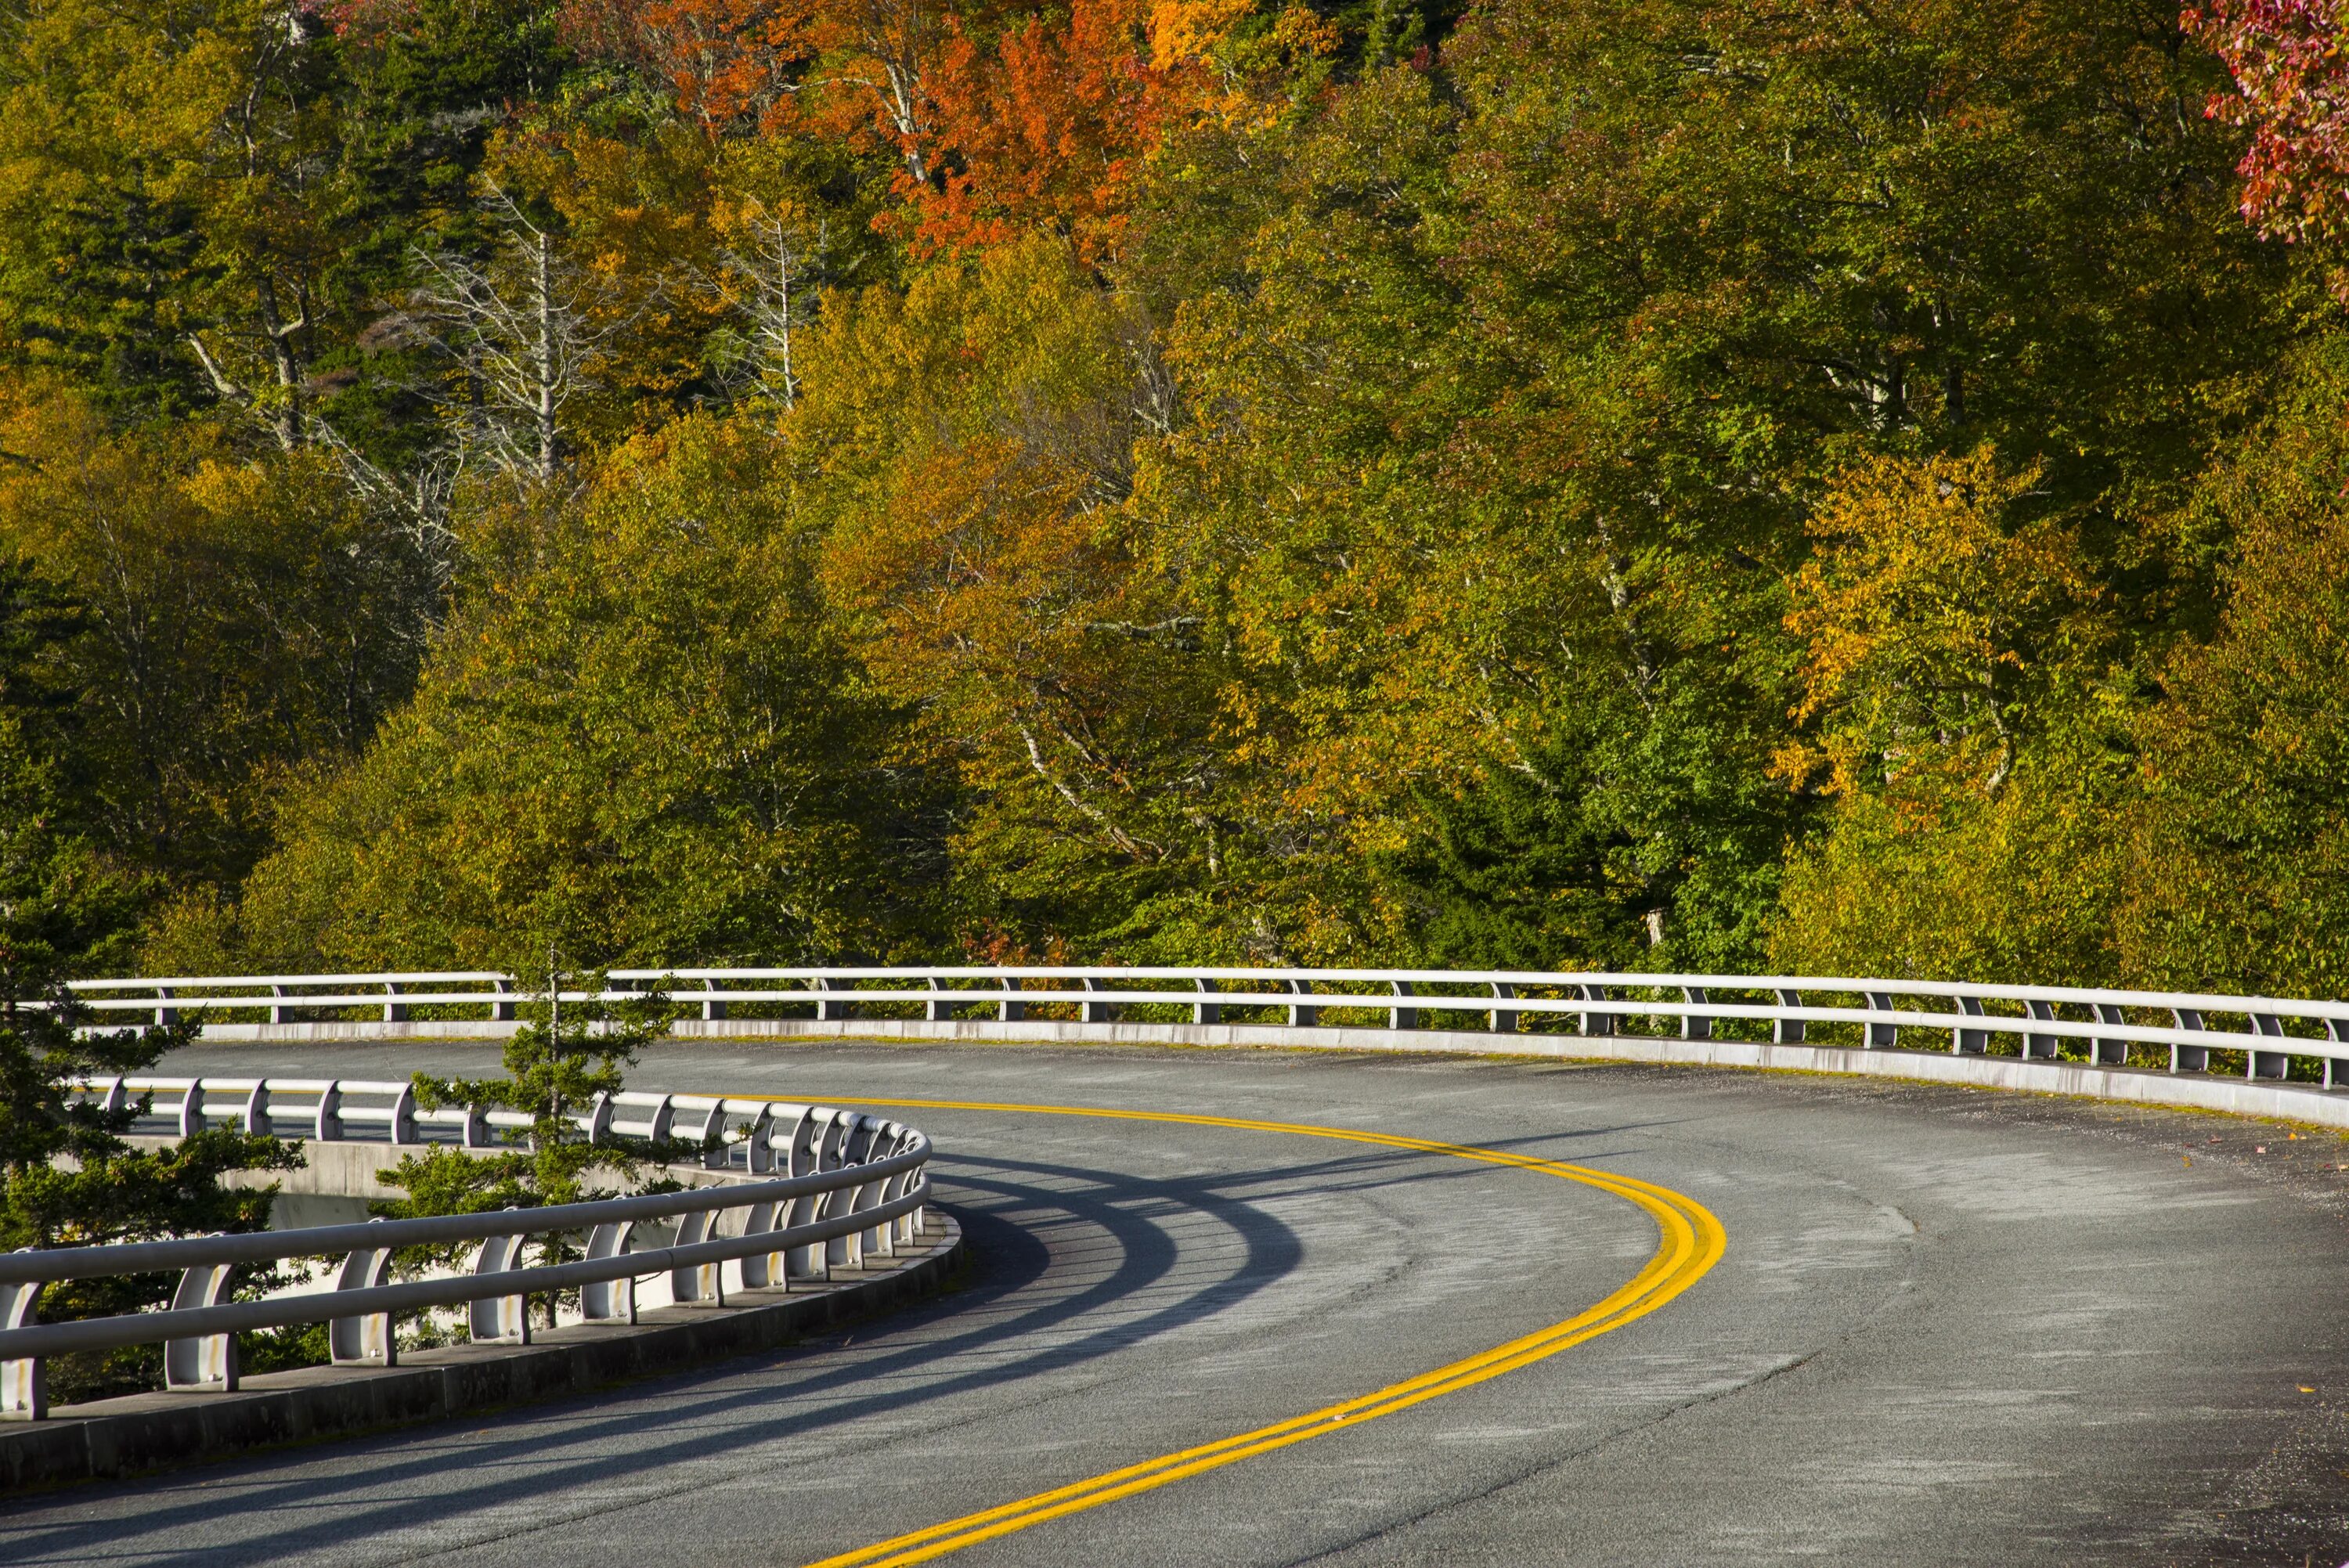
{"x": 783, "y": 307}
{"x": 543, "y": 362}
{"x": 277, "y": 336}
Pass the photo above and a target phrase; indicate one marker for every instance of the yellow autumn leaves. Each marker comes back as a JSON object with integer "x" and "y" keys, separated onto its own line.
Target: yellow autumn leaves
{"x": 1932, "y": 618}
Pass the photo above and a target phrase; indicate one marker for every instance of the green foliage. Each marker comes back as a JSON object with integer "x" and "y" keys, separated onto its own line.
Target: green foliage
{"x": 202, "y": 202}
{"x": 233, "y": 620}
{"x": 1618, "y": 844}
{"x": 639, "y": 741}
{"x": 2236, "y": 860}
{"x": 966, "y": 450}
{"x": 2016, "y": 887}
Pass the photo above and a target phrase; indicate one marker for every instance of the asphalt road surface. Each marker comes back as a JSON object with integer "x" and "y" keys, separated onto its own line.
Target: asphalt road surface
{"x": 1947, "y": 1326}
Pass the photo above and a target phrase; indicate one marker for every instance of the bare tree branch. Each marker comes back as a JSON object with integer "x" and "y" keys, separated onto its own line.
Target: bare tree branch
{"x": 771, "y": 287}
{"x": 525, "y": 329}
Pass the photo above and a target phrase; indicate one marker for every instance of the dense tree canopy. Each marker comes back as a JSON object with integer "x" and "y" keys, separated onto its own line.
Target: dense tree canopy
{"x": 1703, "y": 483}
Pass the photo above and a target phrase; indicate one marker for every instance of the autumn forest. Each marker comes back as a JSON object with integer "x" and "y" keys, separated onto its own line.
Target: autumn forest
{"x": 1724, "y": 485}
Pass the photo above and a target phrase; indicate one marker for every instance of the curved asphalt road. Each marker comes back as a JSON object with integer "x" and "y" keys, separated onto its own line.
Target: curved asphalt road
{"x": 1948, "y": 1327}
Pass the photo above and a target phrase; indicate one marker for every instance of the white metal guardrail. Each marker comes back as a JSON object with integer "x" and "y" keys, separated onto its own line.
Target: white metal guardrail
{"x": 2178, "y": 1031}
{"x": 814, "y": 1187}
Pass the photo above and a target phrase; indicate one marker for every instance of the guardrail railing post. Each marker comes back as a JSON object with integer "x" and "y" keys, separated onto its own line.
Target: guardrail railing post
{"x": 759, "y": 1142}
{"x": 191, "y": 1109}
{"x": 256, "y": 1107}
{"x": 698, "y": 1282}
{"x": 1010, "y": 1011}
{"x": 800, "y": 1147}
{"x": 828, "y": 1010}
{"x": 367, "y": 1339}
{"x": 1969, "y": 1042}
{"x": 609, "y": 1300}
{"x": 164, "y": 1015}
{"x": 768, "y": 1270}
{"x": 1205, "y": 1012}
{"x": 900, "y": 1229}
{"x": 2040, "y": 1045}
{"x": 1504, "y": 1019}
{"x": 1880, "y": 1036}
{"x": 905, "y": 1228}
{"x": 1099, "y": 1012}
{"x": 865, "y": 1195}
{"x": 1403, "y": 1017}
{"x": 499, "y": 1319}
{"x": 714, "y": 1153}
{"x": 329, "y": 1129}
{"x": 2267, "y": 1064}
{"x": 276, "y": 1004}
{"x": 2335, "y": 1030}
{"x": 939, "y": 1007}
{"x": 811, "y": 1145}
{"x": 842, "y": 1252}
{"x": 393, "y": 1012}
{"x": 881, "y": 1241}
{"x": 2189, "y": 1058}
{"x": 1302, "y": 1015}
{"x": 1694, "y": 1026}
{"x": 1595, "y": 1023}
{"x": 502, "y": 1011}
{"x": 206, "y": 1362}
{"x": 2103, "y": 1052}
{"x": 403, "y": 1115}
{"x": 1784, "y": 1030}
{"x": 24, "y": 1383}
{"x": 712, "y": 1009}
{"x": 874, "y": 1241}
{"x": 848, "y": 1251}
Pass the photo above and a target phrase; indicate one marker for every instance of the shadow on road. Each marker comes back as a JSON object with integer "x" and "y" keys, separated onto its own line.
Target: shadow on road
{"x": 365, "y": 1489}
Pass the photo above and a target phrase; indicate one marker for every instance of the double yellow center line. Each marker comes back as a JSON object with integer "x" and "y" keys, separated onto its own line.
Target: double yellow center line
{"x": 1689, "y": 1241}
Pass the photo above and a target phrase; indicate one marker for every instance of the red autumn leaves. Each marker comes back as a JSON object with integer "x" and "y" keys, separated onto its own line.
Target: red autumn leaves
{"x": 2292, "y": 88}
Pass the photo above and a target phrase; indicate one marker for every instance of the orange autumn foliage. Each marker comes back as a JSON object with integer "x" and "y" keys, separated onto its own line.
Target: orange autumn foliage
{"x": 846, "y": 67}
{"x": 1050, "y": 125}
{"x": 1047, "y": 128}
{"x": 1000, "y": 125}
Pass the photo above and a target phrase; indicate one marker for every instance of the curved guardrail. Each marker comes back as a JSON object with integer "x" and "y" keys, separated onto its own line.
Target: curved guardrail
{"x": 2040, "y": 1022}
{"x": 816, "y": 1188}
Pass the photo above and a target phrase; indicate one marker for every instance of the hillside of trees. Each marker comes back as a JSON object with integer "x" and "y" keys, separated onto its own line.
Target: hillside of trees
{"x": 1698, "y": 484}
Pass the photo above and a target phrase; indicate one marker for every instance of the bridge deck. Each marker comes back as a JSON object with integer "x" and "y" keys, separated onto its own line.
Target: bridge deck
{"x": 1949, "y": 1326}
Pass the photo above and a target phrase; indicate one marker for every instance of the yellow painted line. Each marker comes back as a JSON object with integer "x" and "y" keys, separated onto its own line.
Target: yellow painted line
{"x": 1689, "y": 1241}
